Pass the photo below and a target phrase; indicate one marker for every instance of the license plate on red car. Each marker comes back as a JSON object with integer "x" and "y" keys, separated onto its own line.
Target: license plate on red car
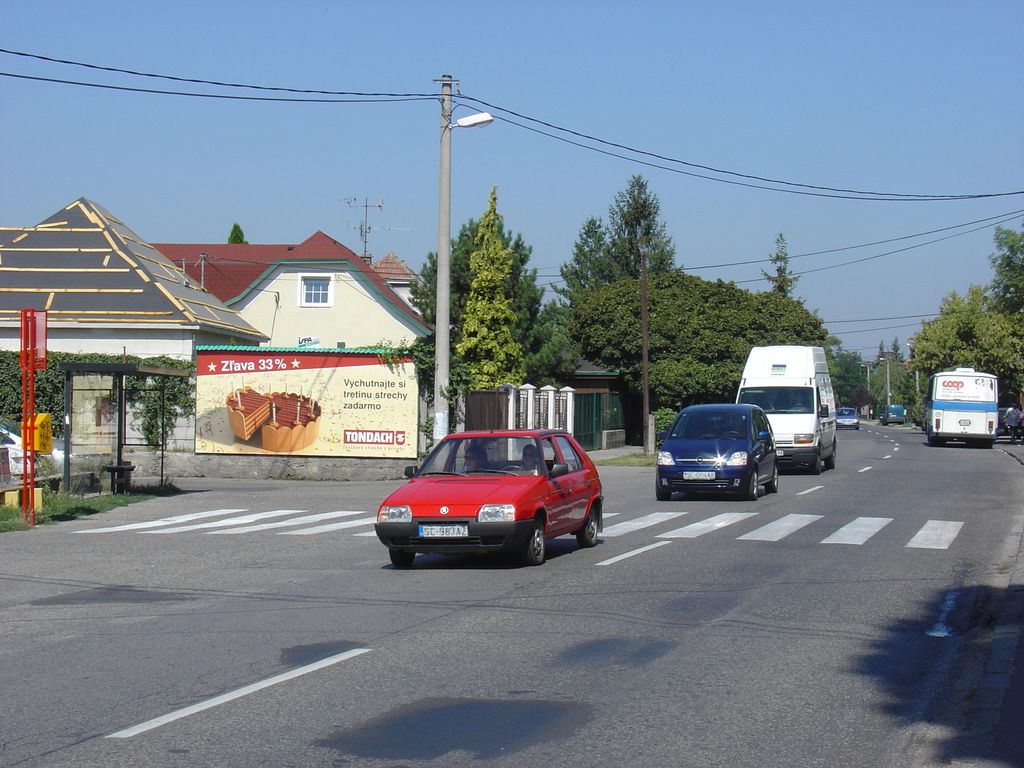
{"x": 448, "y": 531}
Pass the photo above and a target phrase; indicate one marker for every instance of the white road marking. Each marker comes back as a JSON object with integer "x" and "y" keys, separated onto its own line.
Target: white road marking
{"x": 694, "y": 530}
{"x": 610, "y": 514}
{"x": 238, "y": 693}
{"x": 780, "y": 529}
{"x": 628, "y": 526}
{"x": 330, "y": 527}
{"x": 811, "y": 490}
{"x": 936, "y": 534}
{"x": 165, "y": 521}
{"x": 858, "y": 531}
{"x": 240, "y": 520}
{"x": 368, "y": 534}
{"x": 286, "y": 523}
{"x": 887, "y": 457}
{"x": 631, "y": 553}
{"x": 863, "y": 469}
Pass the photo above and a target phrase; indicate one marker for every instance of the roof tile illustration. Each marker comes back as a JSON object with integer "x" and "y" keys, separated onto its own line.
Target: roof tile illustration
{"x": 83, "y": 265}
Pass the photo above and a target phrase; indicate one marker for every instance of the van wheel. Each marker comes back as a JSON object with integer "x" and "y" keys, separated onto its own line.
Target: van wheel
{"x": 772, "y": 486}
{"x": 816, "y": 465}
{"x": 662, "y": 494}
{"x": 830, "y": 462}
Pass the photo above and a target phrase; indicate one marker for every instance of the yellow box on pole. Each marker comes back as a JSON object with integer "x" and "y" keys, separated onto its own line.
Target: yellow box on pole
{"x": 42, "y": 437}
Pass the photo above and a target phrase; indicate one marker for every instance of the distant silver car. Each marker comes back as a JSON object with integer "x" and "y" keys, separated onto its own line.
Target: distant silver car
{"x": 847, "y": 418}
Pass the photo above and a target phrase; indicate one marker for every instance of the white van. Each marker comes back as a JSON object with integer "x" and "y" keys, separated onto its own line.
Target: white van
{"x": 794, "y": 388}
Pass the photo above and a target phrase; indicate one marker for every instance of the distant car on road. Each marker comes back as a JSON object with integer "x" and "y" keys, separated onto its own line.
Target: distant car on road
{"x": 494, "y": 491}
{"x": 721, "y": 448}
{"x": 892, "y": 414}
{"x": 847, "y": 418}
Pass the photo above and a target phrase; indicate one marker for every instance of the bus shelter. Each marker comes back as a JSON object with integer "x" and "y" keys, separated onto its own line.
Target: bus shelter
{"x": 96, "y": 420}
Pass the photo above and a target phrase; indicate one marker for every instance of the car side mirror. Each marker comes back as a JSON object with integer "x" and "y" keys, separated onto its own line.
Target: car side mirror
{"x": 557, "y": 470}
{"x": 823, "y": 411}
{"x": 662, "y": 435}
{"x": 410, "y": 471}
{"x": 762, "y": 435}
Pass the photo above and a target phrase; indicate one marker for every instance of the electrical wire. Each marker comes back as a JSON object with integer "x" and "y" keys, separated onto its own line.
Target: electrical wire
{"x": 229, "y": 97}
{"x": 880, "y": 255}
{"x": 815, "y": 190}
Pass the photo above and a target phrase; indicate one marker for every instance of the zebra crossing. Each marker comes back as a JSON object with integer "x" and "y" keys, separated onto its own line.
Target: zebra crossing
{"x": 934, "y": 534}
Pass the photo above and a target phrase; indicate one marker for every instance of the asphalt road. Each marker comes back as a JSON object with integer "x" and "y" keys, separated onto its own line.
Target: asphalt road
{"x": 844, "y": 621}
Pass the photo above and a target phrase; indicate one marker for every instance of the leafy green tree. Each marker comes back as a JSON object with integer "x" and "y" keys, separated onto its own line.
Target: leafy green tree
{"x": 237, "y": 236}
{"x": 603, "y": 254}
{"x": 696, "y": 355}
{"x": 1006, "y": 291}
{"x": 534, "y": 326}
{"x": 591, "y": 265}
{"x": 782, "y": 281}
{"x": 965, "y": 334}
{"x": 488, "y": 345}
{"x": 847, "y": 372}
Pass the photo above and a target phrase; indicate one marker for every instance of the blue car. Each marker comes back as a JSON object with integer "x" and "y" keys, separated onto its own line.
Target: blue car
{"x": 722, "y": 448}
{"x": 847, "y": 418}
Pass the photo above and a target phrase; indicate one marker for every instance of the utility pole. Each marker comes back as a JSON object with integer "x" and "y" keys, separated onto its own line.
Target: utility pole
{"x": 888, "y": 393}
{"x": 442, "y": 332}
{"x": 644, "y": 345}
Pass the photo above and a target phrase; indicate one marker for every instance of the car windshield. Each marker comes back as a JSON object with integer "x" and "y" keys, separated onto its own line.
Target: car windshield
{"x": 504, "y": 455}
{"x": 710, "y": 425}
{"x": 846, "y": 411}
{"x": 780, "y": 399}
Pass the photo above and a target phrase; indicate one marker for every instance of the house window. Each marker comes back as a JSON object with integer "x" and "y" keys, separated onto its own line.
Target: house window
{"x": 315, "y": 291}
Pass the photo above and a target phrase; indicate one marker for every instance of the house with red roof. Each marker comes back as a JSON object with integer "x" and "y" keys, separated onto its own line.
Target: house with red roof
{"x": 315, "y": 293}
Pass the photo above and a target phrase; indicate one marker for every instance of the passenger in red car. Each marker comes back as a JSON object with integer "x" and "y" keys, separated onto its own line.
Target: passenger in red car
{"x": 531, "y": 462}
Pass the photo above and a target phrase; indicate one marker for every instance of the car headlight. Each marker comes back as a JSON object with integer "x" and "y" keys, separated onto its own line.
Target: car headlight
{"x": 396, "y": 514}
{"x": 738, "y": 459}
{"x": 803, "y": 439}
{"x": 665, "y": 459}
{"x": 496, "y": 513}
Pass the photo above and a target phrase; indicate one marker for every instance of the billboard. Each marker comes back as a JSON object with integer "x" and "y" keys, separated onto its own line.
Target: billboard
{"x": 305, "y": 403}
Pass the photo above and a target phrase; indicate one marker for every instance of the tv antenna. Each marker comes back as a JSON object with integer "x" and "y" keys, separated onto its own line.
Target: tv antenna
{"x": 364, "y": 226}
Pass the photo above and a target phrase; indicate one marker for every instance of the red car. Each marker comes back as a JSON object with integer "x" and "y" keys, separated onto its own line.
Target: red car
{"x": 494, "y": 491}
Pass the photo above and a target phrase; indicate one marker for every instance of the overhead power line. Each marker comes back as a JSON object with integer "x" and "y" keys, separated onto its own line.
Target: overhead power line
{"x": 635, "y": 154}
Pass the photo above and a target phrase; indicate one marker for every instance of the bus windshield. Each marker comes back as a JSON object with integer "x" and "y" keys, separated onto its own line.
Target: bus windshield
{"x": 780, "y": 399}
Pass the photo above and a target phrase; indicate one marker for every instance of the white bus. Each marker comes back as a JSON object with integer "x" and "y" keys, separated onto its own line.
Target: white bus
{"x": 962, "y": 405}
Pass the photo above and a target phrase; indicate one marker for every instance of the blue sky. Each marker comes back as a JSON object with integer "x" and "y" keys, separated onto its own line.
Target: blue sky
{"x": 902, "y": 97}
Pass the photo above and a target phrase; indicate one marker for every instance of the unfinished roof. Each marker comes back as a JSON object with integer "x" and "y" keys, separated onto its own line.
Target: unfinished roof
{"x": 84, "y": 266}
{"x": 233, "y": 271}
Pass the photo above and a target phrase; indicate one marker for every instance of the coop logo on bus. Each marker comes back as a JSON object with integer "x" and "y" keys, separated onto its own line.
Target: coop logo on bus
{"x": 956, "y": 384}
{"x": 374, "y": 437}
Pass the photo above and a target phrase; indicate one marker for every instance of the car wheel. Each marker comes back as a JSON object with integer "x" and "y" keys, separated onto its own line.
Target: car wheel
{"x": 751, "y": 494}
{"x": 401, "y": 559}
{"x": 830, "y": 462}
{"x": 586, "y": 536}
{"x": 662, "y": 494}
{"x": 534, "y": 550}
{"x": 772, "y": 486}
{"x": 816, "y": 465}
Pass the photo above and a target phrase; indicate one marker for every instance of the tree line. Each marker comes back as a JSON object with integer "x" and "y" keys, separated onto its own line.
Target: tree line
{"x": 700, "y": 331}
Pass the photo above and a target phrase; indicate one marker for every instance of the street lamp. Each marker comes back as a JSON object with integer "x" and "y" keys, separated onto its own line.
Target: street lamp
{"x": 442, "y": 330}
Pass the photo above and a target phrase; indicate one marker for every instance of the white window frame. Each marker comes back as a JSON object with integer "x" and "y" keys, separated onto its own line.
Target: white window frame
{"x": 303, "y": 277}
